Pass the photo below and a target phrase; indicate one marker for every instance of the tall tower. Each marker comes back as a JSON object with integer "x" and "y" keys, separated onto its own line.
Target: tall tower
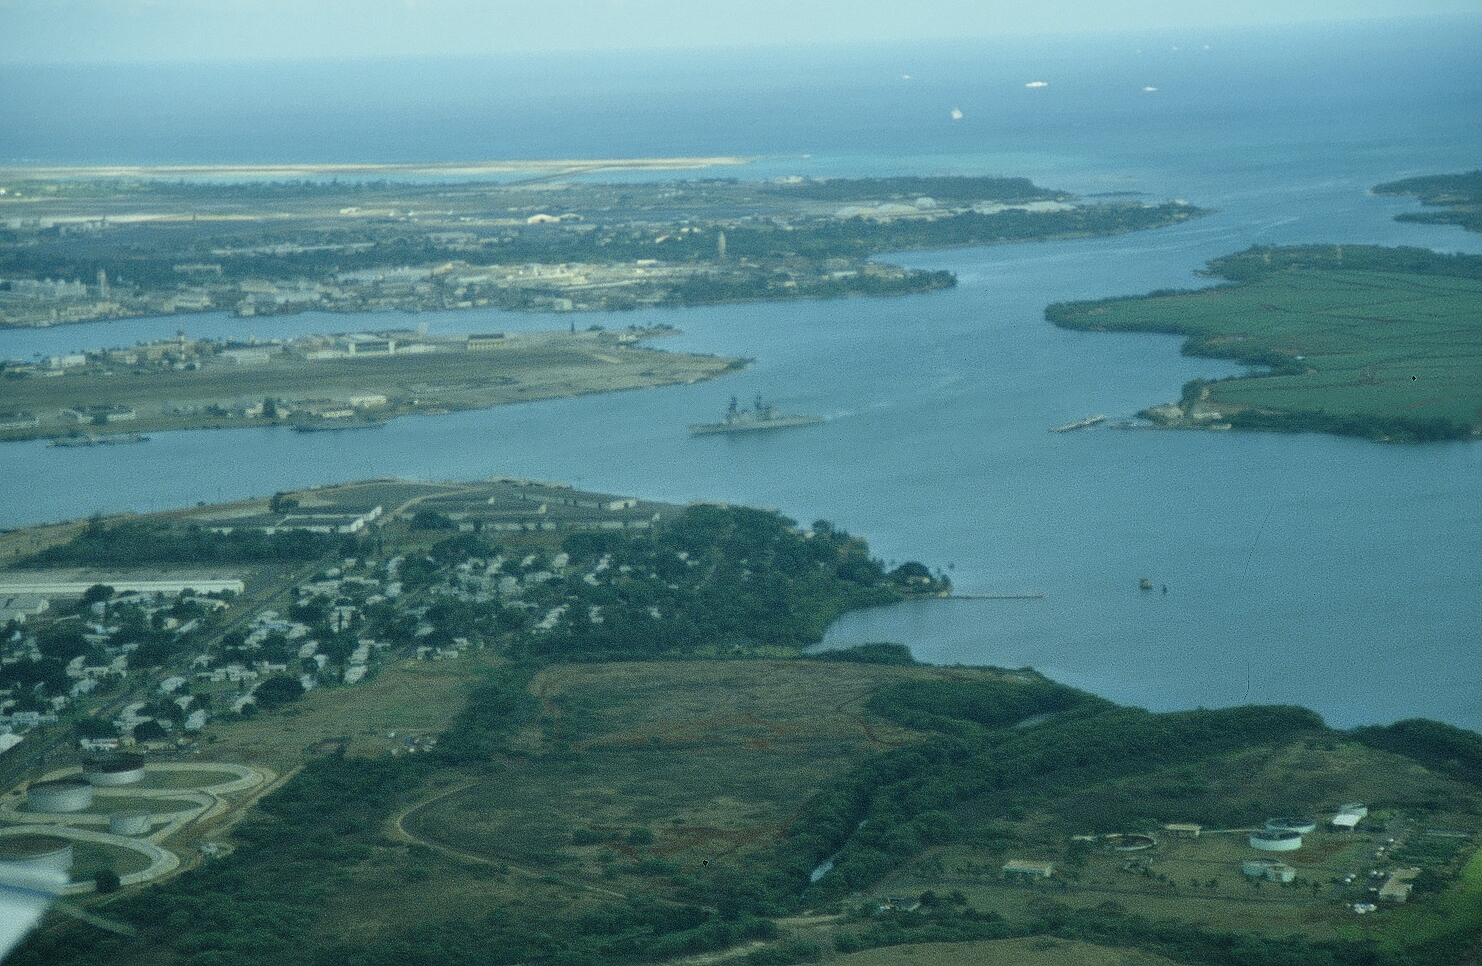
{"x": 720, "y": 245}
{"x": 102, "y": 285}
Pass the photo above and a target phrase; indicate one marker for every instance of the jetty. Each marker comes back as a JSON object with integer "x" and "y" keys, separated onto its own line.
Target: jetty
{"x": 1033, "y": 595}
{"x": 1086, "y": 423}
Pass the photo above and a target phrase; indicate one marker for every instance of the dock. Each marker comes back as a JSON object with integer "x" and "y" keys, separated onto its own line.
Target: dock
{"x": 1086, "y": 423}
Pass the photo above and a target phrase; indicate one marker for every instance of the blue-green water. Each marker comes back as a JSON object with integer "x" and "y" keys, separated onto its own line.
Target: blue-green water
{"x": 1334, "y": 573}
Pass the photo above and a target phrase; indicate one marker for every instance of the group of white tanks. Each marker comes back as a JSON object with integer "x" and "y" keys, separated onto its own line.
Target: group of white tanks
{"x": 51, "y": 853}
{"x": 1281, "y": 834}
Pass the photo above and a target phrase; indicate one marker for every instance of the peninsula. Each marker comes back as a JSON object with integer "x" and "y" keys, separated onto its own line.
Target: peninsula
{"x": 1356, "y": 340}
{"x": 85, "y": 244}
{"x": 1454, "y": 199}
{"x": 513, "y": 722}
{"x": 324, "y": 381}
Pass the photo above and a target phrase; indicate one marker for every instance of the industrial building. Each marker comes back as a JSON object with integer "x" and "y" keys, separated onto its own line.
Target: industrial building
{"x": 100, "y": 414}
{"x": 42, "y": 586}
{"x": 1021, "y": 869}
{"x": 1349, "y": 815}
{"x": 18, "y": 607}
{"x": 326, "y": 519}
{"x": 1397, "y": 887}
{"x": 1268, "y": 870}
{"x": 479, "y": 341}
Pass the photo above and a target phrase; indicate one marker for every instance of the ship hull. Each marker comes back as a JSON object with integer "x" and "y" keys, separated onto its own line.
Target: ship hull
{"x": 754, "y": 426}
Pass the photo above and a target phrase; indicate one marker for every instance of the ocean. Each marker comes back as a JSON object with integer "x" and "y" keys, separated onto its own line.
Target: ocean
{"x": 1334, "y": 573}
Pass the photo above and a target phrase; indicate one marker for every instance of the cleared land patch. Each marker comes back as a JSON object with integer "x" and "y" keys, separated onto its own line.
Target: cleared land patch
{"x": 687, "y": 763}
{"x": 414, "y": 698}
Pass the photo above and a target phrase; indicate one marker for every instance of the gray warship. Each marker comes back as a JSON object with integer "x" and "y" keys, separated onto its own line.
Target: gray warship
{"x": 761, "y": 416}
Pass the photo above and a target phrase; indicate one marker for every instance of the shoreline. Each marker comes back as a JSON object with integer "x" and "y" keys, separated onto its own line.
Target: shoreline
{"x": 449, "y": 169}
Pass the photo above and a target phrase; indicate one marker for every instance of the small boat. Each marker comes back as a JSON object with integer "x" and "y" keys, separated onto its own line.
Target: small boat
{"x": 337, "y": 425}
{"x": 115, "y": 439}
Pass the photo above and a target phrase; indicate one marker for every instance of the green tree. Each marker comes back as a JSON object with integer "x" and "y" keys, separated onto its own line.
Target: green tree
{"x": 106, "y": 880}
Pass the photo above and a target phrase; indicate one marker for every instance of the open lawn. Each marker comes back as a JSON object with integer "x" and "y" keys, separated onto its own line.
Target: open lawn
{"x": 89, "y": 857}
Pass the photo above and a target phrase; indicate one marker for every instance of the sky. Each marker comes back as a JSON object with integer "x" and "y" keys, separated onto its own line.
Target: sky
{"x": 103, "y": 31}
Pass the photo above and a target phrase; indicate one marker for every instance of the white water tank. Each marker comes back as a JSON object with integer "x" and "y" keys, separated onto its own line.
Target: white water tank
{"x": 34, "y": 853}
{"x": 130, "y": 823}
{"x": 1268, "y": 840}
{"x": 61, "y": 795}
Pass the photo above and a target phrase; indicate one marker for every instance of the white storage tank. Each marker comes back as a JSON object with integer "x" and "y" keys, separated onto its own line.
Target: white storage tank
{"x": 130, "y": 823}
{"x": 61, "y": 795}
{"x": 120, "y": 769}
{"x": 20, "y": 854}
{"x": 1289, "y": 824}
{"x": 1268, "y": 840}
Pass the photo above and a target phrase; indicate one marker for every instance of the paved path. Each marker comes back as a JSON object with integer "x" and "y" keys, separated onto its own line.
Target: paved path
{"x": 208, "y": 802}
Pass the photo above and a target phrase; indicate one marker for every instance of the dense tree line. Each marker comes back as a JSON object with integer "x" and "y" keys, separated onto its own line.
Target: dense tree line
{"x": 896, "y": 804}
{"x": 1260, "y": 261}
{"x": 715, "y": 578}
{"x": 1440, "y": 747}
{"x": 1400, "y": 429}
{"x": 133, "y": 542}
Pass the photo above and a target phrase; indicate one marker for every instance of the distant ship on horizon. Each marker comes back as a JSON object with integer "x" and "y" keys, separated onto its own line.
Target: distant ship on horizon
{"x": 761, "y": 416}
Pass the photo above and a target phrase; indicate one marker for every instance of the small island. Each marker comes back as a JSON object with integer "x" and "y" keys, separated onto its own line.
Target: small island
{"x": 86, "y": 244}
{"x": 324, "y": 382}
{"x": 1355, "y": 340}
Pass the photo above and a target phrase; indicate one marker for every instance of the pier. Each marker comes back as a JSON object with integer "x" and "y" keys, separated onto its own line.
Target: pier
{"x": 1080, "y": 423}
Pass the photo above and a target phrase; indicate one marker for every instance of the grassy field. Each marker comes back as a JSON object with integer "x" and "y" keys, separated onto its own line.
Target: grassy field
{"x": 89, "y": 857}
{"x": 640, "y": 776}
{"x": 1039, "y": 951}
{"x": 1387, "y": 353}
{"x": 185, "y": 779}
{"x": 685, "y": 763}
